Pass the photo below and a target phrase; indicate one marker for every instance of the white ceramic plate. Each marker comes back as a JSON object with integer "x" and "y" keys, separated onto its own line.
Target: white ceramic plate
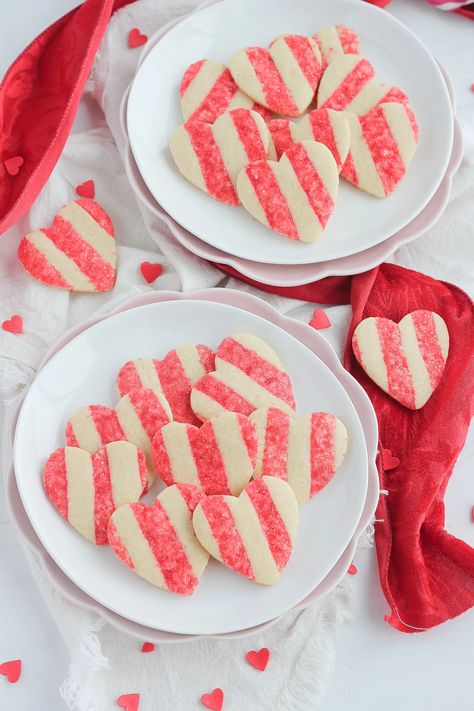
{"x": 359, "y": 221}
{"x": 83, "y": 372}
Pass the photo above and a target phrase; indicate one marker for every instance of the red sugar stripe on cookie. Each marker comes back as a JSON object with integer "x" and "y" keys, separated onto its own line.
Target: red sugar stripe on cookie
{"x": 101, "y": 423}
{"x": 272, "y": 524}
{"x": 209, "y": 462}
{"x": 351, "y": 85}
{"x": 29, "y": 254}
{"x": 214, "y": 172}
{"x": 148, "y": 408}
{"x": 273, "y": 86}
{"x": 103, "y": 499}
{"x": 429, "y": 345}
{"x": 303, "y": 52}
{"x": 399, "y": 378}
{"x": 231, "y": 547}
{"x": 324, "y": 132}
{"x": 383, "y": 149}
{"x": 191, "y": 72}
{"x": 228, "y": 398}
{"x": 277, "y": 430}
{"x": 318, "y": 196}
{"x": 55, "y": 481}
{"x": 322, "y": 443}
{"x": 116, "y": 543}
{"x": 248, "y": 133}
{"x": 270, "y": 197}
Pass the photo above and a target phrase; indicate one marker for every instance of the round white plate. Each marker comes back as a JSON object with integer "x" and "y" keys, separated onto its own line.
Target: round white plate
{"x": 359, "y": 220}
{"x": 83, "y": 372}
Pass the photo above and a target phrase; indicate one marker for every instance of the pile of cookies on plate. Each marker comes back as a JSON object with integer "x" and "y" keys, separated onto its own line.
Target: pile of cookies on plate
{"x": 220, "y": 430}
{"x": 276, "y": 129}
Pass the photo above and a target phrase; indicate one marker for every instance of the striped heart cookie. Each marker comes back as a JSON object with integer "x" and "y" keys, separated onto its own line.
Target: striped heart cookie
{"x": 218, "y": 458}
{"x": 335, "y": 40}
{"x": 349, "y": 84}
{"x": 295, "y": 196}
{"x": 77, "y": 252}
{"x": 382, "y": 144}
{"x": 406, "y": 359}
{"x": 284, "y": 77}
{"x": 173, "y": 376}
{"x": 248, "y": 375}
{"x": 211, "y": 156}
{"x": 207, "y": 90}
{"x": 323, "y": 125}
{"x": 87, "y": 489}
{"x": 304, "y": 452}
{"x": 158, "y": 542}
{"x": 254, "y": 533}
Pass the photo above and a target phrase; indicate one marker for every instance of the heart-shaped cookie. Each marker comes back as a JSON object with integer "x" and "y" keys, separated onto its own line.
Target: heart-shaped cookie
{"x": 284, "y": 77}
{"x": 323, "y": 125}
{"x": 218, "y": 458}
{"x": 77, "y": 252}
{"x": 173, "y": 376}
{"x": 304, "y": 452}
{"x": 349, "y": 84}
{"x": 335, "y": 40}
{"x": 158, "y": 542}
{"x": 248, "y": 375}
{"x": 382, "y": 145}
{"x": 86, "y": 489}
{"x": 211, "y": 156}
{"x": 406, "y": 359}
{"x": 254, "y": 533}
{"x": 296, "y": 196}
{"x": 207, "y": 90}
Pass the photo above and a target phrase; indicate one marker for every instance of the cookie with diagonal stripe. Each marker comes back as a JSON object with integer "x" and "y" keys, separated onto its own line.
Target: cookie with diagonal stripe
{"x": 335, "y": 40}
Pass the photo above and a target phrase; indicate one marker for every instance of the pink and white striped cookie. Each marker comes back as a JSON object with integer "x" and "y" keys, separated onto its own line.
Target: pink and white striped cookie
{"x": 349, "y": 84}
{"x": 77, "y": 252}
{"x": 296, "y": 196}
{"x": 283, "y": 77}
{"x": 406, "y": 359}
{"x": 93, "y": 426}
{"x": 207, "y": 90}
{"x": 248, "y": 375}
{"x": 304, "y": 452}
{"x": 158, "y": 542}
{"x": 211, "y": 156}
{"x": 382, "y": 145}
{"x": 254, "y": 533}
{"x": 335, "y": 40}
{"x": 218, "y": 458}
{"x": 87, "y": 489}
{"x": 323, "y": 125}
{"x": 173, "y": 376}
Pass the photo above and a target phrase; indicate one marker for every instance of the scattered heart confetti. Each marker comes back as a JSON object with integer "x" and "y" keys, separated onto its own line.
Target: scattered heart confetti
{"x": 13, "y": 325}
{"x": 86, "y": 189}
{"x": 148, "y": 647}
{"x": 259, "y": 659}
{"x": 136, "y": 38}
{"x": 472, "y": 513}
{"x": 352, "y": 569}
{"x": 214, "y": 700}
{"x": 11, "y": 670}
{"x": 13, "y": 165}
{"x": 129, "y": 702}
{"x": 389, "y": 461}
{"x": 150, "y": 271}
{"x": 320, "y": 320}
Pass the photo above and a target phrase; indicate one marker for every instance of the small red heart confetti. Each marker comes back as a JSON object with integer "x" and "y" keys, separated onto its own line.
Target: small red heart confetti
{"x": 214, "y": 700}
{"x": 11, "y": 670}
{"x": 129, "y": 702}
{"x": 259, "y": 659}
{"x": 148, "y": 647}
{"x": 150, "y": 271}
{"x": 320, "y": 320}
{"x": 135, "y": 38}
{"x": 13, "y": 165}
{"x": 389, "y": 461}
{"x": 472, "y": 513}
{"x": 86, "y": 189}
{"x": 14, "y": 324}
{"x": 352, "y": 570}
{"x": 472, "y": 87}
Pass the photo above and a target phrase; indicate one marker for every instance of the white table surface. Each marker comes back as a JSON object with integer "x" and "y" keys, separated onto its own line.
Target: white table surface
{"x": 377, "y": 668}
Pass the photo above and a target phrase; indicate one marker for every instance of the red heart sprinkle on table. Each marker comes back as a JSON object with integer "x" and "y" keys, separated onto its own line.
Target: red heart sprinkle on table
{"x": 136, "y": 38}
{"x": 320, "y": 320}
{"x": 389, "y": 462}
{"x": 472, "y": 87}
{"x": 148, "y": 647}
{"x": 472, "y": 513}
{"x": 14, "y": 324}
{"x": 13, "y": 165}
{"x": 352, "y": 570}
{"x": 86, "y": 189}
{"x": 150, "y": 271}
{"x": 259, "y": 659}
{"x": 12, "y": 670}
{"x": 129, "y": 702}
{"x": 214, "y": 700}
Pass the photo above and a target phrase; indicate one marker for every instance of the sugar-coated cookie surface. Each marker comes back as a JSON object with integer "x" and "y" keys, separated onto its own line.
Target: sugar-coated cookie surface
{"x": 173, "y": 376}
{"x": 254, "y": 533}
{"x": 93, "y": 426}
{"x": 77, "y": 252}
{"x": 382, "y": 145}
{"x": 406, "y": 359}
{"x": 211, "y": 156}
{"x": 248, "y": 375}
{"x": 158, "y": 542}
{"x": 335, "y": 40}
{"x": 219, "y": 457}
{"x": 87, "y": 489}
{"x": 304, "y": 452}
{"x": 283, "y": 77}
{"x": 295, "y": 196}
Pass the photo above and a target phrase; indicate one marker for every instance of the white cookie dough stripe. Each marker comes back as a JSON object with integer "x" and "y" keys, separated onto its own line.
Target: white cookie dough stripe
{"x": 63, "y": 264}
{"x": 85, "y": 430}
{"x": 329, "y": 42}
{"x": 132, "y": 426}
{"x": 416, "y": 365}
{"x": 291, "y": 73}
{"x": 148, "y": 374}
{"x": 185, "y": 157}
{"x": 370, "y": 350}
{"x": 190, "y": 360}
{"x": 232, "y": 449}
{"x": 442, "y": 335}
{"x": 299, "y": 458}
{"x": 80, "y": 491}
{"x": 364, "y": 166}
{"x": 181, "y": 459}
{"x": 137, "y": 547}
{"x": 90, "y": 231}
{"x": 180, "y": 518}
{"x": 208, "y": 74}
{"x": 401, "y": 129}
{"x": 254, "y": 540}
{"x": 340, "y": 443}
{"x": 244, "y": 74}
{"x": 304, "y": 217}
{"x": 124, "y": 473}
{"x": 246, "y": 387}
